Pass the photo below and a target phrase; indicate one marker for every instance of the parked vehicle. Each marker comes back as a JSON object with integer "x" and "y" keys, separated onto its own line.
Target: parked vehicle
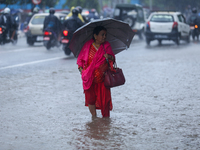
{"x": 133, "y": 14}
{"x": 34, "y": 30}
{"x": 89, "y": 15}
{"x": 167, "y": 26}
{"x": 66, "y": 38}
{"x": 50, "y": 39}
{"x": 5, "y": 38}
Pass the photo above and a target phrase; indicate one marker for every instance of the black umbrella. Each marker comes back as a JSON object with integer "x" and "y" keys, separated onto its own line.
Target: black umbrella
{"x": 119, "y": 35}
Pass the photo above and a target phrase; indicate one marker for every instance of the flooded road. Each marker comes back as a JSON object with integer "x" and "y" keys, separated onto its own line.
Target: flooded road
{"x": 42, "y": 103}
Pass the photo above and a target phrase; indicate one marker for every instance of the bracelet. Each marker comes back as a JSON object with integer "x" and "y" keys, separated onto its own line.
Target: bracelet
{"x": 111, "y": 57}
{"x": 80, "y": 69}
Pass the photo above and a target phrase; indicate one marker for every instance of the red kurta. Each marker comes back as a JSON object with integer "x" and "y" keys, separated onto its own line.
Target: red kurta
{"x": 98, "y": 94}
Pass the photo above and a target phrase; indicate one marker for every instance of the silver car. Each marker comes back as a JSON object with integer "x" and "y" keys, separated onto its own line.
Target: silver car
{"x": 35, "y": 27}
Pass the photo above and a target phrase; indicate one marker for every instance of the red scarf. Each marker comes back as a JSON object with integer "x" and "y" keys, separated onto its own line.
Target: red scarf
{"x": 88, "y": 73}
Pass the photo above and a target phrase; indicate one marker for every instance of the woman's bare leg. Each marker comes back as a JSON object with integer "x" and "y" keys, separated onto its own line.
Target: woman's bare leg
{"x": 92, "y": 109}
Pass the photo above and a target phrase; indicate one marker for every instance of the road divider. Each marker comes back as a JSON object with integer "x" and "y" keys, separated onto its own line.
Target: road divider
{"x": 17, "y": 50}
{"x": 31, "y": 63}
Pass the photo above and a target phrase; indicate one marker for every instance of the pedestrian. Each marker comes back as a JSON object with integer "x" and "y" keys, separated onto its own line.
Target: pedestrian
{"x": 92, "y": 64}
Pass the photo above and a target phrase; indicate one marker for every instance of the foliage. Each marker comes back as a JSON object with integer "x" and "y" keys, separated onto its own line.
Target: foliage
{"x": 49, "y": 3}
{"x": 178, "y": 5}
{"x": 7, "y": 2}
{"x": 83, "y": 3}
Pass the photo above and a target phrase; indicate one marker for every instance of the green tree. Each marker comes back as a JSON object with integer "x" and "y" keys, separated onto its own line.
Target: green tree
{"x": 83, "y": 3}
{"x": 43, "y": 4}
{"x": 176, "y": 5}
{"x": 8, "y": 2}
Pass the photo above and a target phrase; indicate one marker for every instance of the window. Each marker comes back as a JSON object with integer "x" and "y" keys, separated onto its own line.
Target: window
{"x": 38, "y": 20}
{"x": 117, "y": 12}
{"x": 162, "y": 18}
{"x": 180, "y": 18}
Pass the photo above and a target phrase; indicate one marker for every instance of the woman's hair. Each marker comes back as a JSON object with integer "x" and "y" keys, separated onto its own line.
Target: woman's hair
{"x": 97, "y": 29}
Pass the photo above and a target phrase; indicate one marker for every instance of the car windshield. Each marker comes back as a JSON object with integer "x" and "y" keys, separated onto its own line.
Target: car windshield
{"x": 162, "y": 18}
{"x": 38, "y": 20}
{"x": 125, "y": 12}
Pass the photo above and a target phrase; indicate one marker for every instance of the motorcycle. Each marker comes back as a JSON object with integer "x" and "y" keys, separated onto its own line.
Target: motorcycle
{"x": 66, "y": 38}
{"x": 195, "y": 31}
{"x": 5, "y": 37}
{"x": 50, "y": 39}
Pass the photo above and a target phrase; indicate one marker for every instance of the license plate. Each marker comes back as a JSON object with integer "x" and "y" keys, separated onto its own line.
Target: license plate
{"x": 46, "y": 38}
{"x": 192, "y": 27}
{"x": 40, "y": 38}
{"x": 160, "y": 36}
{"x": 65, "y": 41}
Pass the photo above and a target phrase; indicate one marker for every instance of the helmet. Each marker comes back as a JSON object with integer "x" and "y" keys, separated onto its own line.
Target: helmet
{"x": 51, "y": 10}
{"x": 75, "y": 12}
{"x": 6, "y": 10}
{"x": 194, "y": 10}
{"x": 36, "y": 10}
{"x": 79, "y": 9}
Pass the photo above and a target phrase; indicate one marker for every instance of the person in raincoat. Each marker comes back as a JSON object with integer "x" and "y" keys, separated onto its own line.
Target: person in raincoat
{"x": 73, "y": 22}
{"x": 70, "y": 14}
{"x": 92, "y": 64}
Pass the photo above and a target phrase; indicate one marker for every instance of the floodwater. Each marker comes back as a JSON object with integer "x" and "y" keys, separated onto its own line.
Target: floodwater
{"x": 42, "y": 106}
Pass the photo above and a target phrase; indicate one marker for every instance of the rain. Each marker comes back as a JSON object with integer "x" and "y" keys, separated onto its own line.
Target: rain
{"x": 42, "y": 102}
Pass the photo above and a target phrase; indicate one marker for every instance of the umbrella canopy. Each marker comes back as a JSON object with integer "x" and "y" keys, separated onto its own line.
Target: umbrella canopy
{"x": 119, "y": 35}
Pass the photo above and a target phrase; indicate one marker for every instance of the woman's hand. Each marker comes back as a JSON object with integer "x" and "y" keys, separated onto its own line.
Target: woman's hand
{"x": 80, "y": 70}
{"x": 107, "y": 56}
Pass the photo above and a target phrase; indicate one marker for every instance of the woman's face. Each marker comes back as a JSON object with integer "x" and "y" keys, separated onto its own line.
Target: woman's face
{"x": 101, "y": 37}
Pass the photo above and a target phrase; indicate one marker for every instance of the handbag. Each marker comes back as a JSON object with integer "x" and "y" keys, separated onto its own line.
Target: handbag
{"x": 113, "y": 76}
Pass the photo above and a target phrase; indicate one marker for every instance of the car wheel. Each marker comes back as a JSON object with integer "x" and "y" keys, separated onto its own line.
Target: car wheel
{"x": 29, "y": 41}
{"x": 178, "y": 40}
{"x": 148, "y": 41}
{"x": 129, "y": 20}
{"x": 159, "y": 42}
{"x": 141, "y": 33}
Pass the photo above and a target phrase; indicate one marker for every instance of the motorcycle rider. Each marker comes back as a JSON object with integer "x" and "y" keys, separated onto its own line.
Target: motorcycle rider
{"x": 8, "y": 21}
{"x": 73, "y": 22}
{"x": 194, "y": 18}
{"x": 79, "y": 13}
{"x": 53, "y": 23}
{"x": 80, "y": 9}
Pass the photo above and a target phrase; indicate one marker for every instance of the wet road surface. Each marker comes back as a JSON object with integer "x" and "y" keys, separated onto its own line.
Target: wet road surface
{"x": 42, "y": 102}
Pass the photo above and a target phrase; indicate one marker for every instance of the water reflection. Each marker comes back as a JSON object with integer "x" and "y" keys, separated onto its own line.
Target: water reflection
{"x": 96, "y": 134}
{"x": 98, "y": 128}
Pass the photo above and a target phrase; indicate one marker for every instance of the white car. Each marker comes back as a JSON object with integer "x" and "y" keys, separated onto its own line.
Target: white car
{"x": 133, "y": 14}
{"x": 167, "y": 26}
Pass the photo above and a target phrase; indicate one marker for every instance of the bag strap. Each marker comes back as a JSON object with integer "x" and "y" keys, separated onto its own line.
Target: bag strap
{"x": 110, "y": 65}
{"x": 105, "y": 53}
